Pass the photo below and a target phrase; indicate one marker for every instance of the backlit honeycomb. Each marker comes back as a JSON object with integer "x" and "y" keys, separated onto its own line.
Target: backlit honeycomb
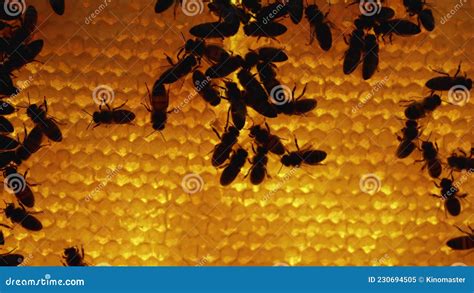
{"x": 117, "y": 190}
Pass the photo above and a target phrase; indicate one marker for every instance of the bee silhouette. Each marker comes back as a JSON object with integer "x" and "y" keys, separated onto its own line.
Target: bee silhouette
{"x": 73, "y": 257}
{"x": 462, "y": 242}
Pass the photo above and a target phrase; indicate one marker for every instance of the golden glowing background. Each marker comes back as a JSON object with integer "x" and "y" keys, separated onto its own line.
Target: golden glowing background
{"x": 118, "y": 192}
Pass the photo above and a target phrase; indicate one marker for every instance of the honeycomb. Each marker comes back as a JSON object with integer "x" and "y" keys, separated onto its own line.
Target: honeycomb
{"x": 120, "y": 190}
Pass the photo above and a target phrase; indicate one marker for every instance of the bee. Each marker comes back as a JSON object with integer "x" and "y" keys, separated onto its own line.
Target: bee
{"x": 22, "y": 55}
{"x": 449, "y": 193}
{"x": 231, "y": 170}
{"x": 431, "y": 159}
{"x": 400, "y": 27}
{"x": 238, "y": 109}
{"x": 223, "y": 149}
{"x": 112, "y": 115}
{"x": 258, "y": 171}
{"x": 295, "y": 9}
{"x": 8, "y": 143}
{"x": 215, "y": 29}
{"x": 7, "y": 88}
{"x": 255, "y": 95}
{"x": 158, "y": 101}
{"x": 30, "y": 145}
{"x": 462, "y": 242}
{"x": 11, "y": 259}
{"x": 305, "y": 156}
{"x": 17, "y": 183}
{"x": 5, "y": 125}
{"x": 445, "y": 83}
{"x": 38, "y": 114}
{"x": 297, "y": 106}
{"x": 278, "y": 9}
{"x": 58, "y": 6}
{"x": 371, "y": 56}
{"x": 23, "y": 217}
{"x": 252, "y": 5}
{"x": 199, "y": 47}
{"x": 416, "y": 110}
{"x": 264, "y": 138}
{"x": 184, "y": 66}
{"x": 320, "y": 27}
{"x": 264, "y": 29}
{"x": 425, "y": 15}
{"x": 461, "y": 162}
{"x": 353, "y": 54}
{"x": 163, "y": 5}
{"x": 6, "y": 108}
{"x": 225, "y": 67}
{"x": 73, "y": 257}
{"x": 271, "y": 54}
{"x": 203, "y": 85}
{"x": 410, "y": 133}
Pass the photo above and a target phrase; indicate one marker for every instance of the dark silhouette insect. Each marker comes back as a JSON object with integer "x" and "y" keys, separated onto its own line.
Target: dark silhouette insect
{"x": 225, "y": 67}
{"x": 449, "y": 193}
{"x": 23, "y": 217}
{"x": 7, "y": 88}
{"x": 30, "y": 145}
{"x": 268, "y": 29}
{"x": 416, "y": 110}
{"x": 295, "y": 10}
{"x": 6, "y": 108}
{"x": 158, "y": 102}
{"x": 263, "y": 137}
{"x": 7, "y": 157}
{"x": 305, "y": 156}
{"x": 184, "y": 66}
{"x": 272, "y": 12}
{"x": 271, "y": 54}
{"x": 371, "y": 56}
{"x": 463, "y": 161}
{"x": 258, "y": 171}
{"x": 163, "y": 5}
{"x": 112, "y": 115}
{"x": 223, "y": 149}
{"x": 298, "y": 105}
{"x": 58, "y": 6}
{"x": 212, "y": 52}
{"x": 8, "y": 143}
{"x": 462, "y": 242}
{"x": 369, "y": 22}
{"x": 11, "y": 259}
{"x": 431, "y": 159}
{"x": 73, "y": 257}
{"x": 5, "y": 125}
{"x": 48, "y": 125}
{"x": 19, "y": 186}
{"x": 409, "y": 133}
{"x": 255, "y": 95}
{"x": 231, "y": 170}
{"x": 253, "y": 5}
{"x": 238, "y": 109}
{"x": 216, "y": 29}
{"x": 445, "y": 83}
{"x": 23, "y": 55}
{"x": 425, "y": 15}
{"x": 320, "y": 27}
{"x": 400, "y": 27}
{"x": 353, "y": 54}
{"x": 206, "y": 89}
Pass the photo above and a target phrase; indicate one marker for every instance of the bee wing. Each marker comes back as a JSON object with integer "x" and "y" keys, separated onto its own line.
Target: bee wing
{"x": 51, "y": 130}
{"x": 10, "y": 260}
{"x": 31, "y": 223}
